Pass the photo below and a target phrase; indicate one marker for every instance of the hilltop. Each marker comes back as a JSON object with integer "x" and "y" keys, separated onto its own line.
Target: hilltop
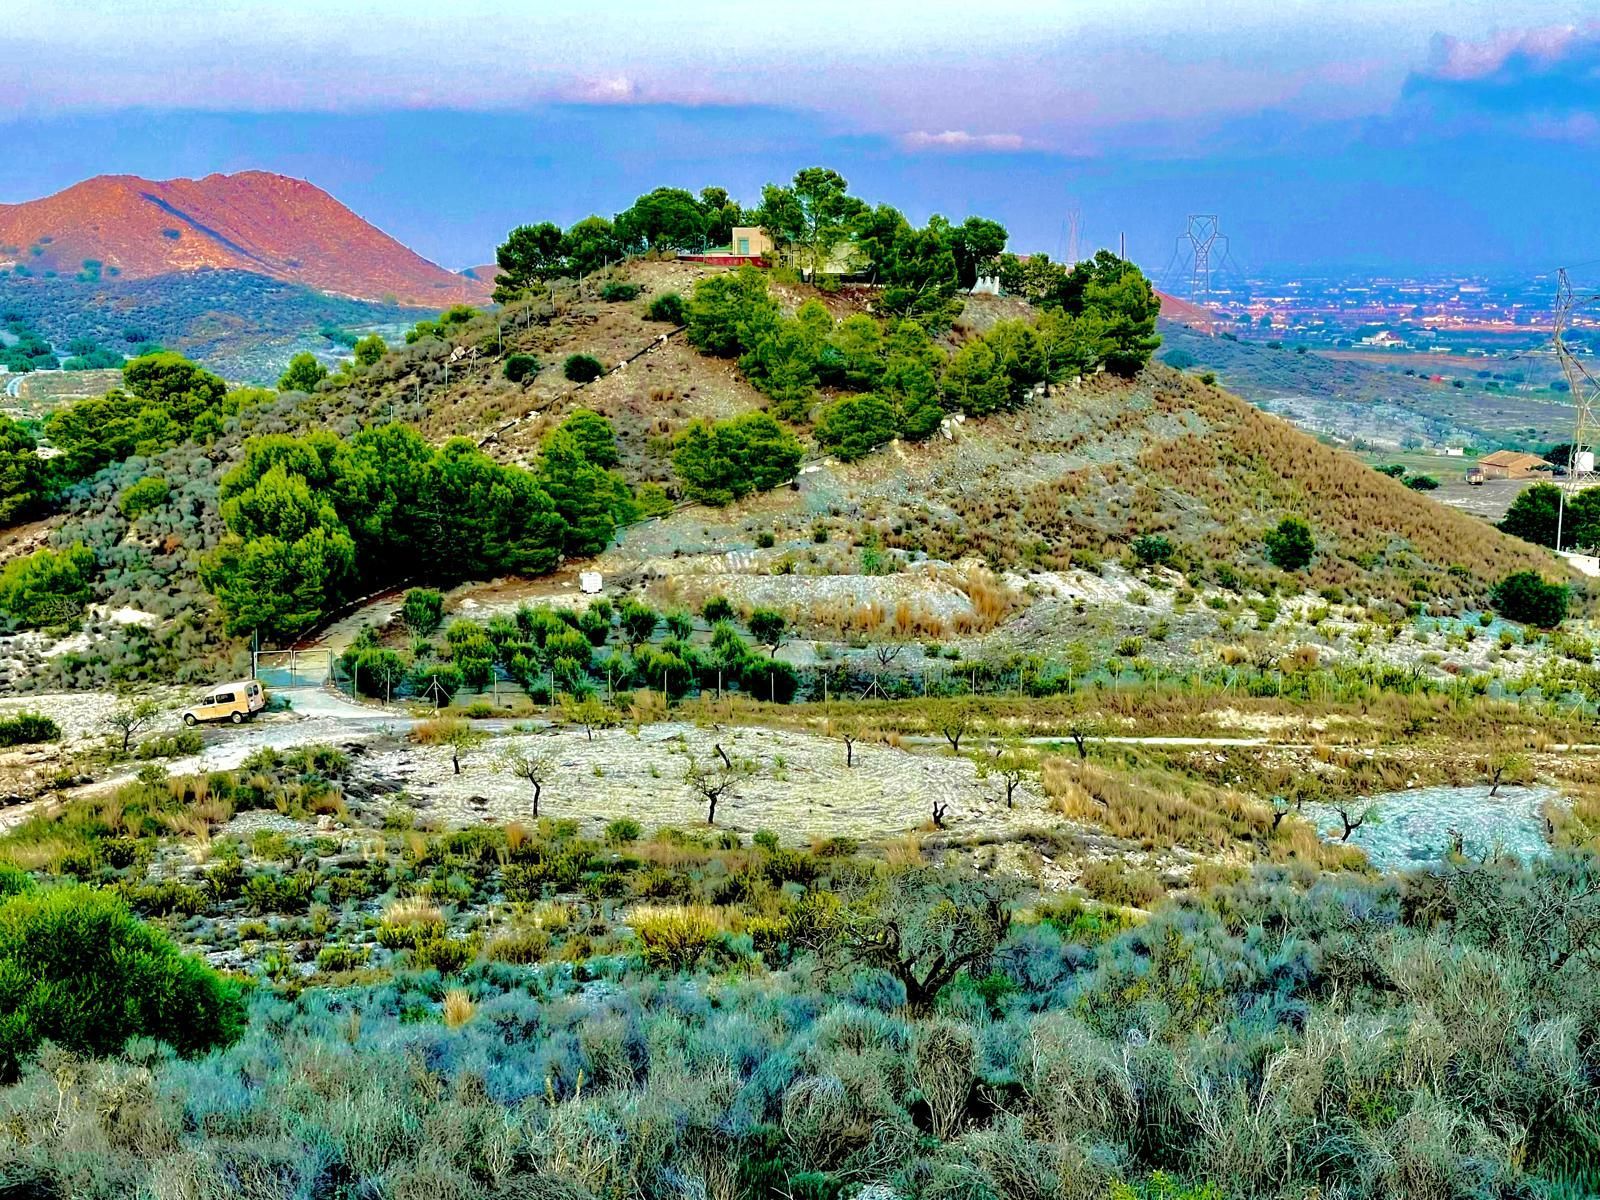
{"x": 122, "y": 226}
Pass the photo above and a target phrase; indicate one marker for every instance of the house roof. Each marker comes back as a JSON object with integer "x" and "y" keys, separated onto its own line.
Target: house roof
{"x": 1511, "y": 458}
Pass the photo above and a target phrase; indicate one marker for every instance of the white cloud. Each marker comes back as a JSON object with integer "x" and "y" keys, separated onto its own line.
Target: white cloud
{"x": 961, "y": 139}
{"x": 616, "y": 89}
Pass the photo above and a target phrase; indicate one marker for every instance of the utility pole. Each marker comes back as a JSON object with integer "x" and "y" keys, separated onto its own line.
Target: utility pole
{"x": 1583, "y": 388}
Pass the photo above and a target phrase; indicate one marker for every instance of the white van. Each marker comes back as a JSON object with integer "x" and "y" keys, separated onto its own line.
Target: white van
{"x": 236, "y": 702}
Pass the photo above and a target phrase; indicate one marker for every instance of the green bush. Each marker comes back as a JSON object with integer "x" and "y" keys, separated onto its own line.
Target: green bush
{"x": 724, "y": 461}
{"x": 27, "y": 729}
{"x": 623, "y": 831}
{"x": 1290, "y": 545}
{"x": 521, "y": 366}
{"x": 582, "y": 368}
{"x": 78, "y": 969}
{"x": 615, "y": 290}
{"x": 47, "y": 587}
{"x": 148, "y": 494}
{"x": 853, "y": 426}
{"x": 1152, "y": 549}
{"x": 669, "y": 307}
{"x": 1526, "y": 597}
{"x": 422, "y": 610}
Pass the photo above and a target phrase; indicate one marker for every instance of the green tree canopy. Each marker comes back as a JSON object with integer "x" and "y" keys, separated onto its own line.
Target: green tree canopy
{"x": 851, "y": 426}
{"x": 370, "y": 349}
{"x": 976, "y": 245}
{"x": 303, "y": 373}
{"x": 1536, "y": 515}
{"x": 22, "y": 472}
{"x": 1128, "y": 306}
{"x": 530, "y": 255}
{"x": 590, "y": 244}
{"x": 664, "y": 219}
{"x": 47, "y": 587}
{"x": 174, "y": 383}
{"x": 723, "y": 461}
{"x": 1526, "y": 597}
{"x": 728, "y": 312}
{"x": 814, "y": 215}
{"x": 312, "y": 519}
{"x": 1290, "y": 544}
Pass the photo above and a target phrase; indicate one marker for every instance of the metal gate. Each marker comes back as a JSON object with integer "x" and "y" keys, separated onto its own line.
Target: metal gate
{"x": 287, "y": 669}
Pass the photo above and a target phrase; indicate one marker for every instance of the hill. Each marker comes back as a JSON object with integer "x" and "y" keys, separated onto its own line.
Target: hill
{"x": 286, "y": 229}
{"x": 1187, "y": 313}
{"x": 995, "y": 533}
{"x": 242, "y": 324}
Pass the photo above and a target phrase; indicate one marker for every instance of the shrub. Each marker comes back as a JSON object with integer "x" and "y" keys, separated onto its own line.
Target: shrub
{"x": 148, "y": 494}
{"x": 725, "y": 461}
{"x": 582, "y": 368}
{"x": 1422, "y": 483}
{"x": 78, "y": 969}
{"x": 444, "y": 955}
{"x": 47, "y": 587}
{"x": 1526, "y": 597}
{"x": 669, "y": 307}
{"x": 27, "y": 729}
{"x": 521, "y": 366}
{"x": 851, "y": 427}
{"x": 622, "y": 831}
{"x": 422, "y": 610}
{"x": 1152, "y": 549}
{"x": 615, "y": 290}
{"x": 1290, "y": 545}
{"x": 675, "y": 938}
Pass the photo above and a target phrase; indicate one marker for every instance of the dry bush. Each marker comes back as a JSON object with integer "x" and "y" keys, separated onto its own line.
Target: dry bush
{"x": 676, "y": 937}
{"x": 459, "y": 1008}
{"x": 992, "y": 601}
{"x": 1117, "y": 882}
{"x": 646, "y": 707}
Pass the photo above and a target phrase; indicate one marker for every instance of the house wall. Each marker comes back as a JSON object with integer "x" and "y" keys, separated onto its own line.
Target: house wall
{"x": 751, "y": 240}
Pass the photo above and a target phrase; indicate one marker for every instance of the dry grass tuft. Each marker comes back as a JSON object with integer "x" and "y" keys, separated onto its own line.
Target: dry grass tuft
{"x": 459, "y": 1008}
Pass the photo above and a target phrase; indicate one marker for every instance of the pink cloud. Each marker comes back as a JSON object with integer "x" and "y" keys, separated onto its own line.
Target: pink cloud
{"x": 961, "y": 139}
{"x": 1457, "y": 59}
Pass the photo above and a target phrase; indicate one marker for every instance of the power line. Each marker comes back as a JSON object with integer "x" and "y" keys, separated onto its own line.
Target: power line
{"x": 1581, "y": 385}
{"x": 1200, "y": 253}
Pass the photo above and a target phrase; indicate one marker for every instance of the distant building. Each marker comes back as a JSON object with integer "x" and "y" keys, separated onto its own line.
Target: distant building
{"x": 1450, "y": 451}
{"x": 1383, "y": 340}
{"x": 750, "y": 241}
{"x": 748, "y": 245}
{"x": 1511, "y": 464}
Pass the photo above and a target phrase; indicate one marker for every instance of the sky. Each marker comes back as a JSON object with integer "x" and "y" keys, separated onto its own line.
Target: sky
{"x": 1410, "y": 135}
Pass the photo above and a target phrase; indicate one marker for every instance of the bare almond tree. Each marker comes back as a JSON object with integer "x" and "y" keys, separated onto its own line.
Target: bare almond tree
{"x": 717, "y": 781}
{"x": 533, "y": 767}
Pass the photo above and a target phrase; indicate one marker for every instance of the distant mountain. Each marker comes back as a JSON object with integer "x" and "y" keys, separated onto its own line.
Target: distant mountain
{"x": 1186, "y": 312}
{"x": 124, "y": 227}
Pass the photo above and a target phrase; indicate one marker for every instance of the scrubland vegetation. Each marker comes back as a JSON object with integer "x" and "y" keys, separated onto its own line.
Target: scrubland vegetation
{"x": 500, "y": 1011}
{"x": 886, "y": 526}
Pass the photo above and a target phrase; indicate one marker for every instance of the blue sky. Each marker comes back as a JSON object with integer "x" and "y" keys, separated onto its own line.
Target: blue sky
{"x": 1418, "y": 134}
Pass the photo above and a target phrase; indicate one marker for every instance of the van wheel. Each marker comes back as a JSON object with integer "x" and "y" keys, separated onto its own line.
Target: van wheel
{"x": 238, "y": 718}
{"x": 190, "y": 719}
